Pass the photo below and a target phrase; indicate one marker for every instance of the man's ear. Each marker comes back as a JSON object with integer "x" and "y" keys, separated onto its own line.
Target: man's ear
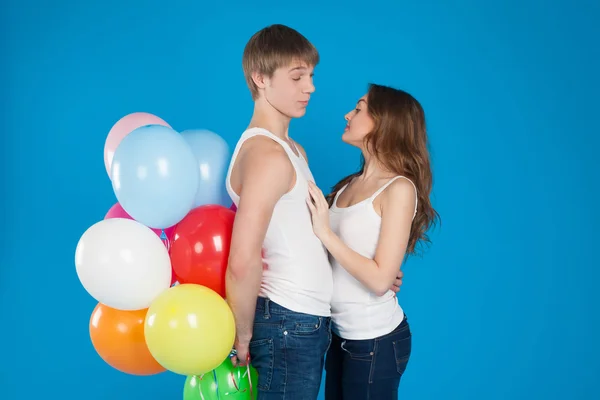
{"x": 259, "y": 80}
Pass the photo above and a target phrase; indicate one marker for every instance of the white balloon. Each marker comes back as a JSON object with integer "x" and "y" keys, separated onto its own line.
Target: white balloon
{"x": 122, "y": 264}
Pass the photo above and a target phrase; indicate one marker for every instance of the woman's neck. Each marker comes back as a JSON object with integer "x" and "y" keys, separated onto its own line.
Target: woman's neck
{"x": 374, "y": 169}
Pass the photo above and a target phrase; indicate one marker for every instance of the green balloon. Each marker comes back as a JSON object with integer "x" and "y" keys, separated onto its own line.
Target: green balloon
{"x": 225, "y": 382}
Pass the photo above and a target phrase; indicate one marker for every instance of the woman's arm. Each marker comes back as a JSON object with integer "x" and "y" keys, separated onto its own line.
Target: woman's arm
{"x": 397, "y": 210}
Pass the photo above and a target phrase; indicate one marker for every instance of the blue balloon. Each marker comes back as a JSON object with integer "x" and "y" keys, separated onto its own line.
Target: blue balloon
{"x": 212, "y": 156}
{"x": 154, "y": 176}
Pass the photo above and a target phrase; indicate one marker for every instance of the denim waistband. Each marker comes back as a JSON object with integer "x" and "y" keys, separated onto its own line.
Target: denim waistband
{"x": 268, "y": 306}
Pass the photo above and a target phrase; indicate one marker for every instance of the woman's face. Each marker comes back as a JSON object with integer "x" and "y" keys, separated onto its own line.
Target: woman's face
{"x": 359, "y": 124}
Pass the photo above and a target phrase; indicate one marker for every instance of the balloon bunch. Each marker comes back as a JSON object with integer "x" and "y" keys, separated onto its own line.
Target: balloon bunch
{"x": 156, "y": 263}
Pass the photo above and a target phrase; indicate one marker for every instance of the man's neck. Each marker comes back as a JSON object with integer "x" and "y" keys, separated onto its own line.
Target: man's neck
{"x": 267, "y": 117}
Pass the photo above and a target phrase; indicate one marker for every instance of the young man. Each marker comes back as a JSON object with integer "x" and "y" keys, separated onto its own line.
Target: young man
{"x": 280, "y": 298}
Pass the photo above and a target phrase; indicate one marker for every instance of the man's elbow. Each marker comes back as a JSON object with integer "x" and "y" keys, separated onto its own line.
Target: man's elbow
{"x": 240, "y": 267}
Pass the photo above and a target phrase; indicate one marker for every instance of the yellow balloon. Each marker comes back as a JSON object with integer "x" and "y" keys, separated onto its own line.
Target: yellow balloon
{"x": 189, "y": 329}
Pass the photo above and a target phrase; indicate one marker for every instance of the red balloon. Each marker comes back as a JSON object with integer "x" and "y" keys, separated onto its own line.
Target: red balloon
{"x": 200, "y": 247}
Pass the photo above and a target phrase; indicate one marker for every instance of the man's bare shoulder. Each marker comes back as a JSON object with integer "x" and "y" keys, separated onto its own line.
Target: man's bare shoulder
{"x": 260, "y": 145}
{"x": 261, "y": 152}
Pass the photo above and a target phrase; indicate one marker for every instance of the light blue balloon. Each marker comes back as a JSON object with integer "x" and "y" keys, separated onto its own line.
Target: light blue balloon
{"x": 212, "y": 156}
{"x": 154, "y": 176}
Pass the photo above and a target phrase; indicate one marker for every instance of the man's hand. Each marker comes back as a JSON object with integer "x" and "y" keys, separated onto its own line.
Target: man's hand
{"x": 242, "y": 353}
{"x": 398, "y": 282}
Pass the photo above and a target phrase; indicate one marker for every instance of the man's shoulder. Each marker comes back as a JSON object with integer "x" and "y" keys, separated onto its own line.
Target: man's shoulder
{"x": 260, "y": 153}
{"x": 266, "y": 164}
{"x": 262, "y": 146}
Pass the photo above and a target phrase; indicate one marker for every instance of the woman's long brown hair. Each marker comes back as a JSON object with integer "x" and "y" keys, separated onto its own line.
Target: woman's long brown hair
{"x": 399, "y": 142}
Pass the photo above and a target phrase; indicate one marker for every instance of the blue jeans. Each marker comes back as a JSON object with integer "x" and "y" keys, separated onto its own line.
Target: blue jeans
{"x": 288, "y": 350}
{"x": 367, "y": 369}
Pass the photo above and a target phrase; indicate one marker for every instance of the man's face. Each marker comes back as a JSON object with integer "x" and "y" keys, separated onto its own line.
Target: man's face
{"x": 289, "y": 89}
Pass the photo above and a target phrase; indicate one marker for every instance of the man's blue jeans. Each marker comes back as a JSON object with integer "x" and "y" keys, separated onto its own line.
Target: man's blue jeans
{"x": 288, "y": 350}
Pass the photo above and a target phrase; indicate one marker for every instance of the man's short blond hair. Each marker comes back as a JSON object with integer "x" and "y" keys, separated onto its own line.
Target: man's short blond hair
{"x": 274, "y": 47}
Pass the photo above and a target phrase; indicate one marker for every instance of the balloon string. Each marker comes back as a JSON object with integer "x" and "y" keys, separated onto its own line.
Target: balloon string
{"x": 249, "y": 377}
{"x": 240, "y": 377}
{"x": 216, "y": 383}
{"x": 200, "y": 388}
{"x": 165, "y": 239}
{"x": 233, "y": 381}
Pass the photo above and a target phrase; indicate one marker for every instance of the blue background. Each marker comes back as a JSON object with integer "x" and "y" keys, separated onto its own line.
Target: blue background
{"x": 505, "y": 303}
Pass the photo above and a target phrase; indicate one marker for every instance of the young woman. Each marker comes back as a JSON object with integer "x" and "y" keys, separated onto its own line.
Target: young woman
{"x": 370, "y": 223}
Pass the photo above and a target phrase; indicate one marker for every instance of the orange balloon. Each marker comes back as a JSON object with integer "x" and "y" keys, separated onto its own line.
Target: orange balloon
{"x": 118, "y": 337}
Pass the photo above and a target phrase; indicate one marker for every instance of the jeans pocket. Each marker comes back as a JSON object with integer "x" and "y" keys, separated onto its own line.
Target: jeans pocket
{"x": 262, "y": 359}
{"x": 402, "y": 350}
{"x": 306, "y": 325}
{"x": 360, "y": 350}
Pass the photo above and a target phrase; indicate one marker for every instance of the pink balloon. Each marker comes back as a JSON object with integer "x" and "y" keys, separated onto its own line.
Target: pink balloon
{"x": 117, "y": 211}
{"x": 122, "y": 128}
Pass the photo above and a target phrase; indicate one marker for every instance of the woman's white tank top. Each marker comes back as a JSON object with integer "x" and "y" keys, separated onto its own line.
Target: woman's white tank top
{"x": 356, "y": 312}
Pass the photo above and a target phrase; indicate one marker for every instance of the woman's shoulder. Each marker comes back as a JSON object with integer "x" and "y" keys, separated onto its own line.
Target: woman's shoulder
{"x": 401, "y": 191}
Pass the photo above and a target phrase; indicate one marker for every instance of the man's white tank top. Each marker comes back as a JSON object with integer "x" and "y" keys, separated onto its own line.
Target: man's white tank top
{"x": 356, "y": 312}
{"x": 298, "y": 274}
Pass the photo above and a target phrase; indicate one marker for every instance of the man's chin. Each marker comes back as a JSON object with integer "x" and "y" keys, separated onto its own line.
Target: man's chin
{"x": 298, "y": 113}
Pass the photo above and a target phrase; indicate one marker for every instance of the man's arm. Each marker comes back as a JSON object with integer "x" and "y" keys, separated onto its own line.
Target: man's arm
{"x": 266, "y": 174}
